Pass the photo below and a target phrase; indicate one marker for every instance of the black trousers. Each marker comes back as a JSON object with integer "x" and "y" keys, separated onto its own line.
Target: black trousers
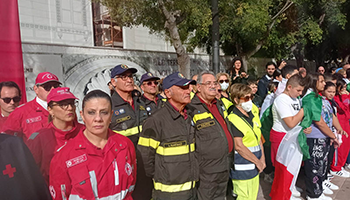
{"x": 316, "y": 167}
{"x": 269, "y": 167}
{"x": 330, "y": 159}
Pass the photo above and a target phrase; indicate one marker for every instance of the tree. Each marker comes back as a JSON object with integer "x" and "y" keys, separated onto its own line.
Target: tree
{"x": 178, "y": 20}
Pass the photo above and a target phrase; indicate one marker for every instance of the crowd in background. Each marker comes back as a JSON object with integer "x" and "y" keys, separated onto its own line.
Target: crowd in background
{"x": 176, "y": 138}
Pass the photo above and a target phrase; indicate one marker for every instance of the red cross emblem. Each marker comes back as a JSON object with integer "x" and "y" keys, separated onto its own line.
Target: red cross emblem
{"x": 9, "y": 171}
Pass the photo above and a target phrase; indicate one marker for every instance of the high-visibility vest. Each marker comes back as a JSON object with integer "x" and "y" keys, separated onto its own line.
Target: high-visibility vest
{"x": 244, "y": 169}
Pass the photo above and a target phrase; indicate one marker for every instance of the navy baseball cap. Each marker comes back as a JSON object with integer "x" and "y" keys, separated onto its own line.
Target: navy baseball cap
{"x": 148, "y": 76}
{"x": 119, "y": 69}
{"x": 176, "y": 79}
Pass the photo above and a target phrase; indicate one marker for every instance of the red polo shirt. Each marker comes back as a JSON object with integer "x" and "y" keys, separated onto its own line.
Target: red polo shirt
{"x": 213, "y": 109}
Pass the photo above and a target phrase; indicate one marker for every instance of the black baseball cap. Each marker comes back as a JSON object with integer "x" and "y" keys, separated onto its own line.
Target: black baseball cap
{"x": 176, "y": 79}
{"x": 119, "y": 69}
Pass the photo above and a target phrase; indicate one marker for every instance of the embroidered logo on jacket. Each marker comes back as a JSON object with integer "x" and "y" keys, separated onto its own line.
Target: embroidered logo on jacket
{"x": 128, "y": 168}
{"x": 34, "y": 119}
{"x": 76, "y": 160}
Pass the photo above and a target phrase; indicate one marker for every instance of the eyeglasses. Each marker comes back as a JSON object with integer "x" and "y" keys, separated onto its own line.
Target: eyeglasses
{"x": 7, "y": 100}
{"x": 215, "y": 83}
{"x": 222, "y": 81}
{"x": 247, "y": 98}
{"x": 47, "y": 87}
{"x": 149, "y": 83}
{"x": 64, "y": 104}
{"x": 124, "y": 77}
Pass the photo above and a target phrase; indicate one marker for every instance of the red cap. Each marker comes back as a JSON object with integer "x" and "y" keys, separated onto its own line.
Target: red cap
{"x": 45, "y": 77}
{"x": 60, "y": 94}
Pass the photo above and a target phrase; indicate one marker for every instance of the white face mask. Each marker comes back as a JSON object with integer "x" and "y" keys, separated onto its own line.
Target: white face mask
{"x": 247, "y": 106}
{"x": 224, "y": 86}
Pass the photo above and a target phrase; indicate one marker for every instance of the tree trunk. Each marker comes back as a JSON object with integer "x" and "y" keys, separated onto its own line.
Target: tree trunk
{"x": 183, "y": 60}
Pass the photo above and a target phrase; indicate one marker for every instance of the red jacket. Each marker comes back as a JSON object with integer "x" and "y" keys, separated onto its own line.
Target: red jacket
{"x": 44, "y": 143}
{"x": 343, "y": 111}
{"x": 80, "y": 170}
{"x": 26, "y": 119}
{"x": 2, "y": 121}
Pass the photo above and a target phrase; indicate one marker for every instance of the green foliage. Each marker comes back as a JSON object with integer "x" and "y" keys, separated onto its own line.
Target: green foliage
{"x": 194, "y": 15}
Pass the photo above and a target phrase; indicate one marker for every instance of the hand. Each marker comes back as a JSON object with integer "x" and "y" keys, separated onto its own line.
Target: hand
{"x": 307, "y": 130}
{"x": 335, "y": 143}
{"x": 261, "y": 166}
{"x": 342, "y": 132}
{"x": 243, "y": 74}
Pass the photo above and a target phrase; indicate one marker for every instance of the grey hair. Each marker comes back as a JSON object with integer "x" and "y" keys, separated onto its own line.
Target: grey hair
{"x": 200, "y": 75}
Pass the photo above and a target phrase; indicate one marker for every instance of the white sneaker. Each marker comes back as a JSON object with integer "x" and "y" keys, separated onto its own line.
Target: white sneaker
{"x": 295, "y": 192}
{"x": 330, "y": 185}
{"x": 342, "y": 173}
{"x": 347, "y": 167}
{"x": 326, "y": 190}
{"x": 299, "y": 189}
{"x": 322, "y": 197}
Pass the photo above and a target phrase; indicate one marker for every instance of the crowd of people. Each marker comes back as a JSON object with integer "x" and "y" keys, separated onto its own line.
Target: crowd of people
{"x": 176, "y": 138}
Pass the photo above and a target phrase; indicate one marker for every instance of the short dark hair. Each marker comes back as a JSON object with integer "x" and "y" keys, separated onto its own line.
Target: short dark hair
{"x": 270, "y": 63}
{"x": 288, "y": 69}
{"x": 276, "y": 73}
{"x": 337, "y": 76}
{"x": 328, "y": 84}
{"x": 96, "y": 94}
{"x": 296, "y": 80}
{"x": 10, "y": 84}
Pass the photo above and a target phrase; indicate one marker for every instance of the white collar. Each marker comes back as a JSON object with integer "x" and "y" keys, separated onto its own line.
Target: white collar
{"x": 268, "y": 78}
{"x": 284, "y": 80}
{"x": 41, "y": 102}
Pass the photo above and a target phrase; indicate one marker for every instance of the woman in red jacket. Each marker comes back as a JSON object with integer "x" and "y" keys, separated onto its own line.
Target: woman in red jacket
{"x": 97, "y": 163}
{"x": 62, "y": 127}
{"x": 342, "y": 100}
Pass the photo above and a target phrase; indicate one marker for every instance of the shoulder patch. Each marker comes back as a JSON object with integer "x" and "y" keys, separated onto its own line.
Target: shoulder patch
{"x": 77, "y": 160}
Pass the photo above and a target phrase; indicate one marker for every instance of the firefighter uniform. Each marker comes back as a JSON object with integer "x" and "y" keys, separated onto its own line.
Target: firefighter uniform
{"x": 167, "y": 146}
{"x": 245, "y": 174}
{"x": 26, "y": 119}
{"x": 214, "y": 146}
{"x": 44, "y": 143}
{"x": 80, "y": 170}
{"x": 127, "y": 120}
{"x": 152, "y": 106}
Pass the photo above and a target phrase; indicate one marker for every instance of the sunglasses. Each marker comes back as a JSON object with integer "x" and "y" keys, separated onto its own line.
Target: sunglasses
{"x": 47, "y": 87}
{"x": 149, "y": 83}
{"x": 247, "y": 98}
{"x": 66, "y": 104}
{"x": 124, "y": 77}
{"x": 8, "y": 100}
{"x": 222, "y": 81}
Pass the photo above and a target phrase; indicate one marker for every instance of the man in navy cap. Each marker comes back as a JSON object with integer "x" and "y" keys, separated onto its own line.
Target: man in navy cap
{"x": 149, "y": 86}
{"x": 167, "y": 143}
{"x": 128, "y": 117}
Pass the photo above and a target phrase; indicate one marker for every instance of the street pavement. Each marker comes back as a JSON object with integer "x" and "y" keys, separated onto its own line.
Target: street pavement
{"x": 342, "y": 194}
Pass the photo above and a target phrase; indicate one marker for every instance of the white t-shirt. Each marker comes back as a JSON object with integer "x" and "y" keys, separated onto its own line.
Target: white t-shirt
{"x": 281, "y": 87}
{"x": 284, "y": 106}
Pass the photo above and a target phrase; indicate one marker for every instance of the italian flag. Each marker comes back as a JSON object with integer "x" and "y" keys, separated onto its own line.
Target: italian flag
{"x": 293, "y": 148}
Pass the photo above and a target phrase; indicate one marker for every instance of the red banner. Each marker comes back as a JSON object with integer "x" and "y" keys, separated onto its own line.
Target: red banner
{"x": 11, "y": 60}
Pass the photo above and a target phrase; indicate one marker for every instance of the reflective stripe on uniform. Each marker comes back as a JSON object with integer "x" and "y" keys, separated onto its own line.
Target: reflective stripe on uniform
{"x": 130, "y": 131}
{"x": 252, "y": 149}
{"x": 148, "y": 142}
{"x": 116, "y": 173}
{"x": 93, "y": 181}
{"x": 243, "y": 167}
{"x": 201, "y": 116}
{"x": 119, "y": 196}
{"x": 63, "y": 192}
{"x": 174, "y": 188}
{"x": 173, "y": 151}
